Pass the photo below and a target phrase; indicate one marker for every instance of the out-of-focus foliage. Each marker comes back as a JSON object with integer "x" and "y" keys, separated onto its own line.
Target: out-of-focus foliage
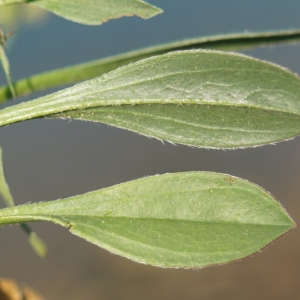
{"x": 92, "y": 12}
{"x": 9, "y": 290}
{"x": 12, "y": 16}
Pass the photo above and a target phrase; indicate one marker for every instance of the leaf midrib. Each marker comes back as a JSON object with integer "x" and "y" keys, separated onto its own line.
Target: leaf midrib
{"x": 71, "y": 218}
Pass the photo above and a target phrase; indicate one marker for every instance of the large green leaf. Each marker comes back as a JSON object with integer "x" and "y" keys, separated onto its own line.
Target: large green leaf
{"x": 185, "y": 220}
{"x": 93, "y": 12}
{"x": 201, "y": 98}
{"x": 95, "y": 68}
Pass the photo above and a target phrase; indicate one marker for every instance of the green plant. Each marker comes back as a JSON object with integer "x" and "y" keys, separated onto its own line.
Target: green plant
{"x": 202, "y": 98}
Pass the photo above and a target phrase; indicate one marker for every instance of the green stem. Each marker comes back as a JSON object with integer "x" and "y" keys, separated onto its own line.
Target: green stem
{"x": 36, "y": 243}
{"x": 15, "y": 219}
{"x": 27, "y": 213}
{"x": 5, "y": 63}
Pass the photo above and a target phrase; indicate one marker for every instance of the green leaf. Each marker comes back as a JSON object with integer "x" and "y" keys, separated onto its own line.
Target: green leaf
{"x": 95, "y": 68}
{"x": 36, "y": 243}
{"x": 185, "y": 220}
{"x": 201, "y": 98}
{"x": 93, "y": 12}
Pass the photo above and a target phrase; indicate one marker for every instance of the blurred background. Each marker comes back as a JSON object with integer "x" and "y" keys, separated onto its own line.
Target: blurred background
{"x": 51, "y": 159}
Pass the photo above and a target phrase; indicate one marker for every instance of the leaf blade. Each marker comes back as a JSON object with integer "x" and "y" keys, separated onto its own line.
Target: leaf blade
{"x": 239, "y": 90}
{"x": 195, "y": 125}
{"x": 80, "y": 72}
{"x": 188, "y": 220}
{"x": 93, "y": 12}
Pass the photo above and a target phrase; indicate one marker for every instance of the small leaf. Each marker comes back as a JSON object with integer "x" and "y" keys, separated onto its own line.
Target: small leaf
{"x": 93, "y": 12}
{"x": 187, "y": 220}
{"x": 35, "y": 242}
{"x": 80, "y": 72}
{"x": 201, "y": 98}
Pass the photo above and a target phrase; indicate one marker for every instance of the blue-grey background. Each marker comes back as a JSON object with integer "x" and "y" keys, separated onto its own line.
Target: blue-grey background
{"x": 51, "y": 159}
